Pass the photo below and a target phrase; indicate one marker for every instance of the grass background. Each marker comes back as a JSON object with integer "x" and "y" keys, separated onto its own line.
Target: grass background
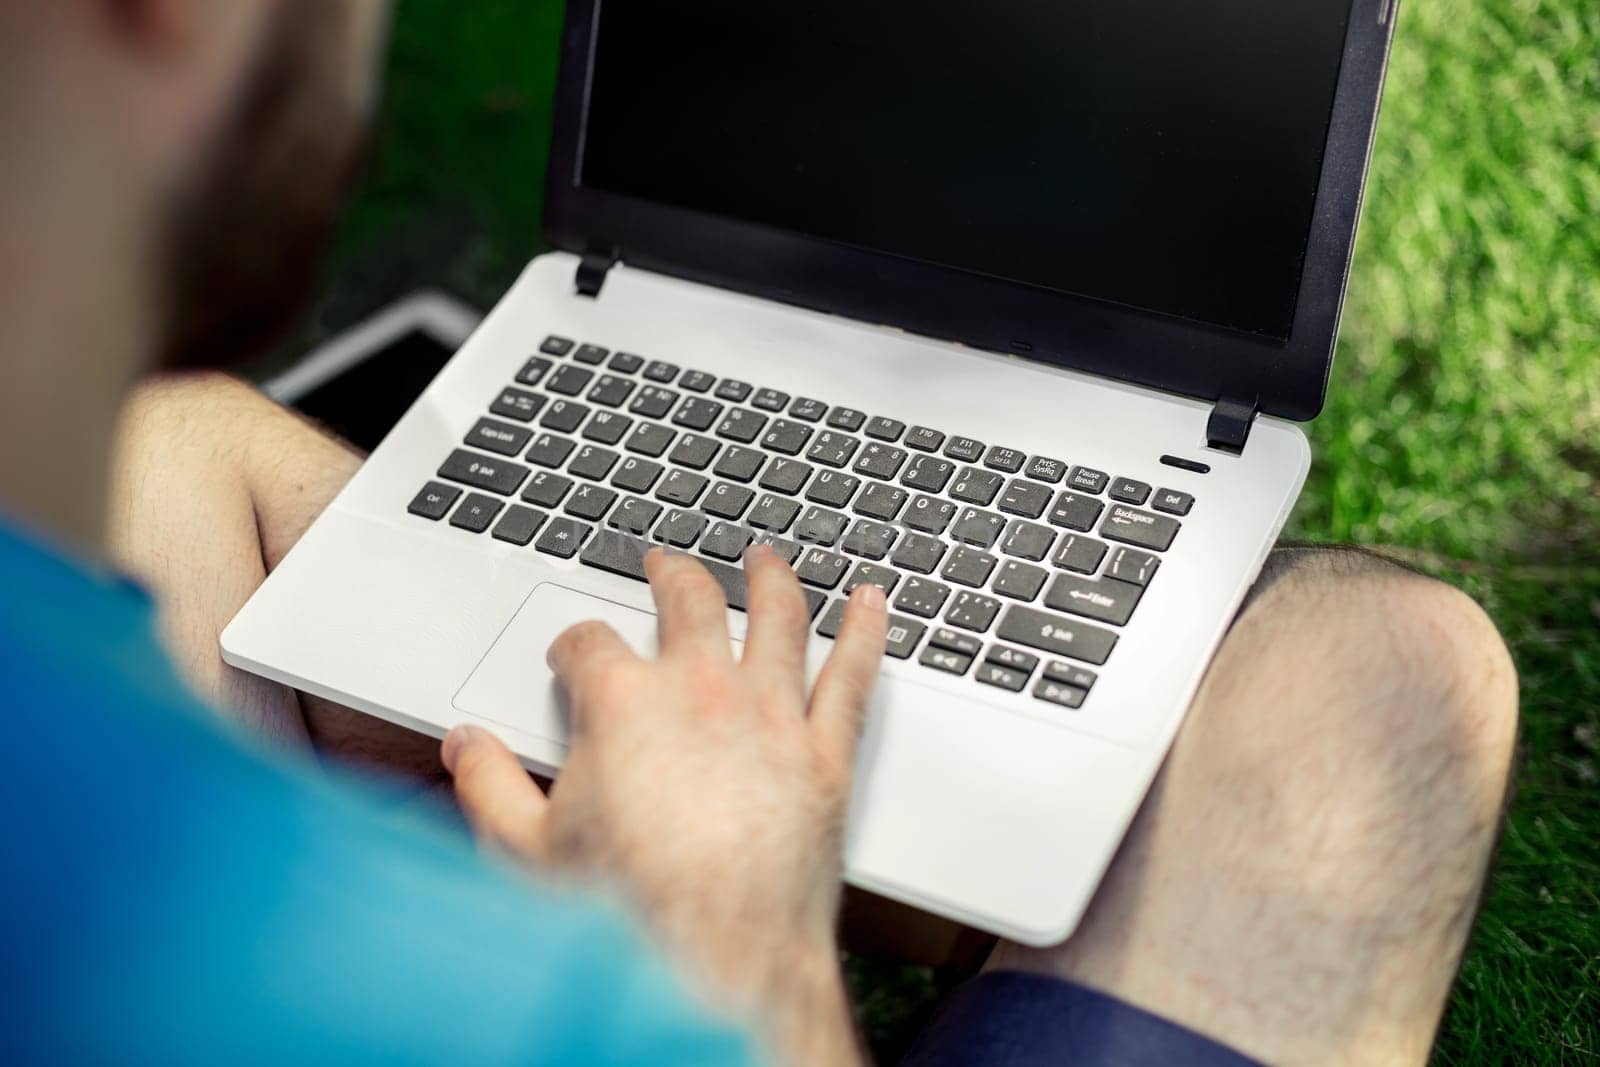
{"x": 1462, "y": 430}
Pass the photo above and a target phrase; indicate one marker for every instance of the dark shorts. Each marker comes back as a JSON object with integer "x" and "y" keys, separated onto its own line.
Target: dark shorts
{"x": 1007, "y": 1019}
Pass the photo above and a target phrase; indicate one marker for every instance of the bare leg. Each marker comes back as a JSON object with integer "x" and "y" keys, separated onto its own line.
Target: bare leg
{"x": 213, "y": 484}
{"x": 1302, "y": 880}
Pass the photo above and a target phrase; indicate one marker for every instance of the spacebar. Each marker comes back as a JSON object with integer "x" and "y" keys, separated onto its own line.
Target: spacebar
{"x": 620, "y": 554}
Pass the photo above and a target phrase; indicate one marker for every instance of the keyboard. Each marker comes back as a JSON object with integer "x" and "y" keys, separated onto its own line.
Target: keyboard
{"x": 1012, "y": 567}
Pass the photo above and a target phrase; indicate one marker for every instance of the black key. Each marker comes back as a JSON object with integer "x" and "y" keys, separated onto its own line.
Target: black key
{"x": 519, "y": 524}
{"x": 546, "y": 489}
{"x": 924, "y": 439}
{"x": 591, "y": 354}
{"x": 611, "y": 391}
{"x": 847, "y": 419}
{"x": 964, "y": 449}
{"x": 770, "y": 400}
{"x": 533, "y": 371}
{"x": 929, "y": 473}
{"x": 1019, "y": 581}
{"x": 976, "y": 487}
{"x": 903, "y": 636}
{"x": 974, "y": 527}
{"x": 880, "y": 501}
{"x": 551, "y": 451}
{"x": 728, "y": 501}
{"x": 653, "y": 402}
{"x": 788, "y": 550}
{"x": 1087, "y": 479}
{"x": 930, "y": 514}
{"x": 680, "y": 529}
{"x": 870, "y": 539}
{"x": 637, "y": 475}
{"x": 1003, "y": 677}
{"x": 1075, "y": 512}
{"x": 732, "y": 389}
{"x": 607, "y": 427}
{"x": 1028, "y": 499}
{"x": 1014, "y": 658}
{"x": 697, "y": 381}
{"x": 973, "y": 611}
{"x": 592, "y": 462}
{"x": 1129, "y": 491}
{"x": 634, "y": 516}
{"x": 968, "y": 566}
{"x": 1107, "y": 600}
{"x": 590, "y": 502}
{"x": 1056, "y": 693}
{"x": 1056, "y": 634}
{"x": 481, "y": 472}
{"x": 726, "y": 540}
{"x": 476, "y": 513}
{"x": 773, "y": 513}
{"x": 833, "y": 449}
{"x": 650, "y": 439}
{"x": 617, "y": 555}
{"x": 681, "y": 488}
{"x": 785, "y": 475}
{"x": 626, "y": 363}
{"x": 806, "y": 408}
{"x": 697, "y": 413}
{"x": 919, "y": 552}
{"x": 820, "y": 568}
{"x": 885, "y": 429}
{"x": 1081, "y": 554}
{"x": 955, "y": 641}
{"x": 742, "y": 425}
{"x": 1139, "y": 528}
{"x": 819, "y": 526}
{"x": 555, "y": 346}
{"x": 880, "y": 461}
{"x": 740, "y": 464}
{"x": 734, "y": 590}
{"x": 661, "y": 371}
{"x": 694, "y": 452}
{"x": 1004, "y": 459}
{"x": 1046, "y": 470}
{"x": 1027, "y": 541}
{"x": 1172, "y": 502}
{"x": 870, "y": 574}
{"x": 517, "y": 404}
{"x": 569, "y": 380}
{"x": 500, "y": 437}
{"x": 1069, "y": 674}
{"x": 1128, "y": 565}
{"x": 564, "y": 416}
{"x": 563, "y": 537}
{"x": 832, "y": 488}
{"x": 941, "y": 660}
{"x": 922, "y": 597}
{"x": 786, "y": 437}
{"x": 434, "y": 501}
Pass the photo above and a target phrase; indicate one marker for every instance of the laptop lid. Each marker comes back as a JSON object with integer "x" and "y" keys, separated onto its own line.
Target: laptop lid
{"x": 1157, "y": 191}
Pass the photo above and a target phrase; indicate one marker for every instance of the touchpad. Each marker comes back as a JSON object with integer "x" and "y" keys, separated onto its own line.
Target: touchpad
{"x": 512, "y": 685}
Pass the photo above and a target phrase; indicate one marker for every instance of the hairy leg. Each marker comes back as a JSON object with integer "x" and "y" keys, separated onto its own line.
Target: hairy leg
{"x": 213, "y": 484}
{"x": 1303, "y": 877}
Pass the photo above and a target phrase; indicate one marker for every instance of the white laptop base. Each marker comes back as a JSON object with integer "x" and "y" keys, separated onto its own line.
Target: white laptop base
{"x": 991, "y": 807}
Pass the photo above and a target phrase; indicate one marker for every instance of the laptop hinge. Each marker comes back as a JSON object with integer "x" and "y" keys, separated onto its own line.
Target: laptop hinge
{"x": 1229, "y": 425}
{"x": 592, "y": 271}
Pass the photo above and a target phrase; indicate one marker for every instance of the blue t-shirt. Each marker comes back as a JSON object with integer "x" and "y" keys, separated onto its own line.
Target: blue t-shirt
{"x": 171, "y": 894}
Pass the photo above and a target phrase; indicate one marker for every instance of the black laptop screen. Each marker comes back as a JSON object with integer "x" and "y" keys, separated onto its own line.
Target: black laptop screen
{"x": 1162, "y": 154}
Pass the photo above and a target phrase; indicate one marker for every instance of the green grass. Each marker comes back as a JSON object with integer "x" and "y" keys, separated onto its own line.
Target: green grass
{"x": 1462, "y": 429}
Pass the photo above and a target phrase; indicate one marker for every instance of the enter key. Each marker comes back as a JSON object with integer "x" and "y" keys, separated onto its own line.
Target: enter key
{"x": 1106, "y": 600}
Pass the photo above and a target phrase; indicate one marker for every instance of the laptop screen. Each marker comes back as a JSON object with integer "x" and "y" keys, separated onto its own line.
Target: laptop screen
{"x": 1160, "y": 154}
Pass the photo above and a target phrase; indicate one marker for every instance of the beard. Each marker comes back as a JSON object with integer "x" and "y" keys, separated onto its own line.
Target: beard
{"x": 245, "y": 236}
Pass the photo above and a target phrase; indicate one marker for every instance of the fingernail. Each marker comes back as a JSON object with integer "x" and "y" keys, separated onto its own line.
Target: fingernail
{"x": 757, "y": 551}
{"x": 454, "y": 742}
{"x": 873, "y": 596}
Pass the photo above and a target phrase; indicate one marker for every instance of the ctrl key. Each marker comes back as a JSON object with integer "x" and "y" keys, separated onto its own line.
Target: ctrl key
{"x": 435, "y": 501}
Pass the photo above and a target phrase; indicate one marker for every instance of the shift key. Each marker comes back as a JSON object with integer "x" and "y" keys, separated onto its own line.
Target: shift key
{"x": 481, "y": 472}
{"x": 1056, "y": 634}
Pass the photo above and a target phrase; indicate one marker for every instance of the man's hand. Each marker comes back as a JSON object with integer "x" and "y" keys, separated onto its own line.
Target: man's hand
{"x": 711, "y": 788}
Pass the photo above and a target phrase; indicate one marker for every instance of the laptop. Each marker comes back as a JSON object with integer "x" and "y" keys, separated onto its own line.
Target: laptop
{"x": 1010, "y": 308}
